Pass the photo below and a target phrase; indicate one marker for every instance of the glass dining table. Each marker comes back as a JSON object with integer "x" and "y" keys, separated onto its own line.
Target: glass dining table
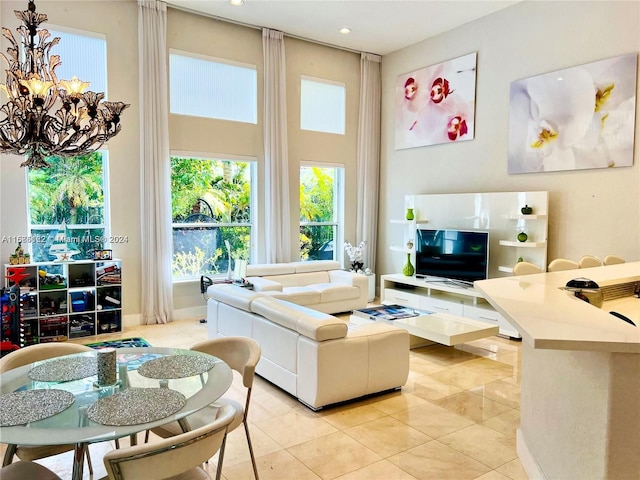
{"x": 58, "y": 401}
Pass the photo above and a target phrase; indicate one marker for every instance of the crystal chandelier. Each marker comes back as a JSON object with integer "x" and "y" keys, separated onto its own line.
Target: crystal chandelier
{"x": 46, "y": 116}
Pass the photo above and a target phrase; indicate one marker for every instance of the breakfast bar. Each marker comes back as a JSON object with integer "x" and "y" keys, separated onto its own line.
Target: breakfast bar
{"x": 580, "y": 388}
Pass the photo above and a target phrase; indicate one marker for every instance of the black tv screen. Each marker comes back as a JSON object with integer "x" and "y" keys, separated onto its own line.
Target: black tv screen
{"x": 452, "y": 254}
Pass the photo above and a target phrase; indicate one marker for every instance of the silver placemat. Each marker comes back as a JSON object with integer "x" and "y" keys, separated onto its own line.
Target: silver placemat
{"x": 176, "y": 366}
{"x": 135, "y": 406}
{"x": 25, "y": 406}
{"x": 64, "y": 369}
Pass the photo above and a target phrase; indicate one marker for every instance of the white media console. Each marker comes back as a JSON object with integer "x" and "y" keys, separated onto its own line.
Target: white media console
{"x": 498, "y": 213}
{"x": 440, "y": 297}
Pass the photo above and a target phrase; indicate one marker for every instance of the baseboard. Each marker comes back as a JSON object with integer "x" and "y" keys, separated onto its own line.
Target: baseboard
{"x": 191, "y": 312}
{"x": 181, "y": 314}
{"x": 529, "y": 463}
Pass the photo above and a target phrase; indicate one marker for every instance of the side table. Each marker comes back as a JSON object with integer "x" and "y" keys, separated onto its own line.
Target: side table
{"x": 372, "y": 287}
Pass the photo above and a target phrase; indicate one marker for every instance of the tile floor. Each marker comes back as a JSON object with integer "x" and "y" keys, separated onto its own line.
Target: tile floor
{"x": 455, "y": 418}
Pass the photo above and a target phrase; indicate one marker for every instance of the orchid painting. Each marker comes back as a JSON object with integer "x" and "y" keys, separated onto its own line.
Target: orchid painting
{"x": 436, "y": 104}
{"x": 578, "y": 118}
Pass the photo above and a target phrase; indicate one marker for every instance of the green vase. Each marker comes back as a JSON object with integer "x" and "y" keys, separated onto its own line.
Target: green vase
{"x": 410, "y": 215}
{"x": 408, "y": 269}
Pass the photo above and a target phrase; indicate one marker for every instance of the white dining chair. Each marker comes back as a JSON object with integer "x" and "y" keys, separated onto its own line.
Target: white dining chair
{"x": 177, "y": 457}
{"x": 25, "y": 356}
{"x": 562, "y": 264}
{"x": 242, "y": 355}
{"x": 525, "y": 268}
{"x": 25, "y": 470}
{"x": 588, "y": 261}
{"x": 613, "y": 260}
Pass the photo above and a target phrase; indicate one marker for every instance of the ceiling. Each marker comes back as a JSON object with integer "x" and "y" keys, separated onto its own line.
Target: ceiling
{"x": 377, "y": 26}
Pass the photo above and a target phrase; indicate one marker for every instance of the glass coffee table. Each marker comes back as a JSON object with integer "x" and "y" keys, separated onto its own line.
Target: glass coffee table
{"x": 436, "y": 327}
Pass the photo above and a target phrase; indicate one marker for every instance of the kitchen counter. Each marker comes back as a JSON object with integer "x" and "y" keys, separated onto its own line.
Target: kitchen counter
{"x": 549, "y": 317}
{"x": 580, "y": 386}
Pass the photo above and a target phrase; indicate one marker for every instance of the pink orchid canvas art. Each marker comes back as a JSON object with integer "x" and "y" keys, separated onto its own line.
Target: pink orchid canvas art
{"x": 436, "y": 104}
{"x": 577, "y": 118}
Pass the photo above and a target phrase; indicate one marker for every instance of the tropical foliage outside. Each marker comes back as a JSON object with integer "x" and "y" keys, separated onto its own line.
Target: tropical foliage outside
{"x": 210, "y": 203}
{"x": 317, "y": 213}
{"x": 70, "y": 191}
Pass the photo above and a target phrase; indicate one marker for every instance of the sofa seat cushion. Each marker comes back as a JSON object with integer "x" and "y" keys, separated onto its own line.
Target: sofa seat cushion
{"x": 332, "y": 292}
{"x": 234, "y": 295}
{"x": 261, "y": 284}
{"x": 310, "y": 323}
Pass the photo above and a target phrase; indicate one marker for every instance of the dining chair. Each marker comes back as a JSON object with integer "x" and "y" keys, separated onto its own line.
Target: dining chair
{"x": 588, "y": 261}
{"x": 242, "y": 355}
{"x": 613, "y": 260}
{"x": 562, "y": 264}
{"x": 25, "y": 470}
{"x": 173, "y": 458}
{"x": 25, "y": 356}
{"x": 525, "y": 268}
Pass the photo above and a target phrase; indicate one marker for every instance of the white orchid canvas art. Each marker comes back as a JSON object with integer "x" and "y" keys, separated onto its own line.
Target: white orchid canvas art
{"x": 577, "y": 118}
{"x": 436, "y": 104}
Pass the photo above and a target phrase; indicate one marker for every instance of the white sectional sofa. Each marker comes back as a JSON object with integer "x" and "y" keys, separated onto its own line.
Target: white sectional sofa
{"x": 321, "y": 285}
{"x": 318, "y": 358}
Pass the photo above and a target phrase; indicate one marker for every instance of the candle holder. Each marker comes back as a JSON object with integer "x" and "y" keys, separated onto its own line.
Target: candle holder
{"x": 107, "y": 371}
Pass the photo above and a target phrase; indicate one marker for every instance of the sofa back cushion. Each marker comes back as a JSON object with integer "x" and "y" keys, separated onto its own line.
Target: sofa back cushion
{"x": 316, "y": 266}
{"x": 310, "y": 323}
{"x": 264, "y": 269}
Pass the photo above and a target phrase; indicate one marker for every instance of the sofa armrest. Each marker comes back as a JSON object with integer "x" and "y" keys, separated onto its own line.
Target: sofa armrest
{"x": 264, "y": 285}
{"x": 349, "y": 278}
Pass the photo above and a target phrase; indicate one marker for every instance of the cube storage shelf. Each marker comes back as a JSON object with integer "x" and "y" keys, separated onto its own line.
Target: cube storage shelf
{"x": 68, "y": 300}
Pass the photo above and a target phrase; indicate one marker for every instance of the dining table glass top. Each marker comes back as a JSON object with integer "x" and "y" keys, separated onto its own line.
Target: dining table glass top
{"x": 172, "y": 384}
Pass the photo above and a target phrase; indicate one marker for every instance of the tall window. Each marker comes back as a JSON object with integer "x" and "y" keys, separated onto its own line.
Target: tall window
{"x": 204, "y": 87}
{"x": 321, "y": 212}
{"x": 211, "y": 203}
{"x": 322, "y": 105}
{"x": 68, "y": 202}
{"x": 68, "y": 207}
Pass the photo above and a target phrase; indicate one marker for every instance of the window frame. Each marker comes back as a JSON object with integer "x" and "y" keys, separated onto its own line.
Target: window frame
{"x": 59, "y": 30}
{"x": 338, "y": 206}
{"x": 105, "y": 226}
{"x": 253, "y": 205}
{"x": 222, "y": 61}
{"x": 324, "y": 81}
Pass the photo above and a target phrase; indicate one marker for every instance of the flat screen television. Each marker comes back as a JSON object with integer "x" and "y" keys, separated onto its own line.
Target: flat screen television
{"x": 459, "y": 255}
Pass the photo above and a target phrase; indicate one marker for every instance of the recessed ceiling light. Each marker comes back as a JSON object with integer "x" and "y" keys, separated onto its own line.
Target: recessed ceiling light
{"x": 236, "y": 2}
{"x": 345, "y": 30}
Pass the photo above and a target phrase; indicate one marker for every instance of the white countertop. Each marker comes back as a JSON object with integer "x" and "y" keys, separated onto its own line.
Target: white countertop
{"x": 548, "y": 317}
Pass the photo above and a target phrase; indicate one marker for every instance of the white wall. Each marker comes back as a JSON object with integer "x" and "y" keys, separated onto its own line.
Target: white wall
{"x": 591, "y": 211}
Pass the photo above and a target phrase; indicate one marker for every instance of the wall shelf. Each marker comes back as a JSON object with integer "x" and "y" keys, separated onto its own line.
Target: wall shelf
{"x": 509, "y": 243}
{"x": 533, "y": 216}
{"x": 498, "y": 213}
{"x": 397, "y": 248}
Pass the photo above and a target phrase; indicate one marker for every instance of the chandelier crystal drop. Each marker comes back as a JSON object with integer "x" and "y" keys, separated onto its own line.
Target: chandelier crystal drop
{"x": 45, "y": 116}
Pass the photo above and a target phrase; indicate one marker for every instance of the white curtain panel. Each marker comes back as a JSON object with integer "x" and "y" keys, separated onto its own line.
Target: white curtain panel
{"x": 368, "y": 156}
{"x": 277, "y": 216}
{"x": 156, "y": 244}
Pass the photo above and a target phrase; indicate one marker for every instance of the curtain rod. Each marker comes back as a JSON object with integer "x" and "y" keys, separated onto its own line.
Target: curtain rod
{"x": 257, "y": 27}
